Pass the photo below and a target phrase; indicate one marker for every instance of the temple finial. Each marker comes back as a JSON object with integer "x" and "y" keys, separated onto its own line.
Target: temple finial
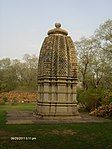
{"x": 57, "y": 25}
{"x": 58, "y": 30}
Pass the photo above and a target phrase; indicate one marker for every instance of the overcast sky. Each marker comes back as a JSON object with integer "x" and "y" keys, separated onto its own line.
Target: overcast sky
{"x": 24, "y": 23}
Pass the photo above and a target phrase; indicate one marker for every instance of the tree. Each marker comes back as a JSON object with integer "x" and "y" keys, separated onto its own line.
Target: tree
{"x": 104, "y": 35}
{"x": 86, "y": 53}
{"x": 95, "y": 58}
{"x": 8, "y": 75}
{"x": 95, "y": 67}
{"x": 28, "y": 72}
{"x": 20, "y": 75}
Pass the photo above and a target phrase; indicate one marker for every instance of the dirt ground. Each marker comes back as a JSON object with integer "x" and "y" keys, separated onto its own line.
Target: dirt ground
{"x": 27, "y": 117}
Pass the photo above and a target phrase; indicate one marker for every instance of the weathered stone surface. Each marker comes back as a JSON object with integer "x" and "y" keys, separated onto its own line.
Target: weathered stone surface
{"x": 57, "y": 76}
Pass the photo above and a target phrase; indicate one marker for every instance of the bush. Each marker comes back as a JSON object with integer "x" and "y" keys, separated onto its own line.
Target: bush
{"x": 103, "y": 111}
{"x": 108, "y": 98}
{"x": 90, "y": 99}
{"x": 2, "y": 102}
{"x": 5, "y": 99}
{"x": 14, "y": 101}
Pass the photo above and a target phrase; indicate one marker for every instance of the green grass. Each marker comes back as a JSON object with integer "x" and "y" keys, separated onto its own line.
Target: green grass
{"x": 55, "y": 136}
{"x": 24, "y": 106}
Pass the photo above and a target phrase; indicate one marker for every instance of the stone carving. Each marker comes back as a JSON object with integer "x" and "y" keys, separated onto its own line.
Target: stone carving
{"x": 57, "y": 76}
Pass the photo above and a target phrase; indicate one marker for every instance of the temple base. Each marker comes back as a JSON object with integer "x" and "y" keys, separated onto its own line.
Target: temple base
{"x": 47, "y": 110}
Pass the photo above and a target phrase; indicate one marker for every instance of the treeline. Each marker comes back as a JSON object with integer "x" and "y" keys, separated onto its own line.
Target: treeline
{"x": 18, "y": 74}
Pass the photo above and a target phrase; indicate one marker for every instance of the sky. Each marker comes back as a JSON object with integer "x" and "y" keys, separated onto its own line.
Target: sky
{"x": 24, "y": 23}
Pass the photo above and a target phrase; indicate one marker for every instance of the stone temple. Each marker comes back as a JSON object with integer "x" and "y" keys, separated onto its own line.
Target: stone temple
{"x": 57, "y": 76}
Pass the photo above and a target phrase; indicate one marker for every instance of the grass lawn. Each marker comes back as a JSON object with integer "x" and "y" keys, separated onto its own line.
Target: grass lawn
{"x": 24, "y": 106}
{"x": 53, "y": 136}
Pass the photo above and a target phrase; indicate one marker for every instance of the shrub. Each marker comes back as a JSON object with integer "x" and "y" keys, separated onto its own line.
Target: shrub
{"x": 108, "y": 98}
{"x": 5, "y": 98}
{"x": 19, "y": 96}
{"x": 103, "y": 111}
{"x": 2, "y": 102}
{"x": 89, "y": 99}
{"x": 14, "y": 101}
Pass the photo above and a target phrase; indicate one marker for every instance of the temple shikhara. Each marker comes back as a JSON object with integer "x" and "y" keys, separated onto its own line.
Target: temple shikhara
{"x": 57, "y": 76}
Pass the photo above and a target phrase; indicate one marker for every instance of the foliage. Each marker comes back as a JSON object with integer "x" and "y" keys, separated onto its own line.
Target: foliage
{"x": 108, "y": 98}
{"x": 2, "y": 102}
{"x": 90, "y": 99}
{"x": 2, "y": 117}
{"x": 18, "y": 96}
{"x": 95, "y": 58}
{"x": 5, "y": 99}
{"x": 95, "y": 69}
{"x": 103, "y": 111}
{"x": 16, "y": 74}
{"x": 14, "y": 101}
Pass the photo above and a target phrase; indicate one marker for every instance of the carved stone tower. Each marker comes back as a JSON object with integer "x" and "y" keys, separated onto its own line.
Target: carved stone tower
{"x": 57, "y": 76}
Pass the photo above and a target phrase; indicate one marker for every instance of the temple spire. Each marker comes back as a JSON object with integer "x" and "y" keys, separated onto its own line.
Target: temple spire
{"x": 56, "y": 80}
